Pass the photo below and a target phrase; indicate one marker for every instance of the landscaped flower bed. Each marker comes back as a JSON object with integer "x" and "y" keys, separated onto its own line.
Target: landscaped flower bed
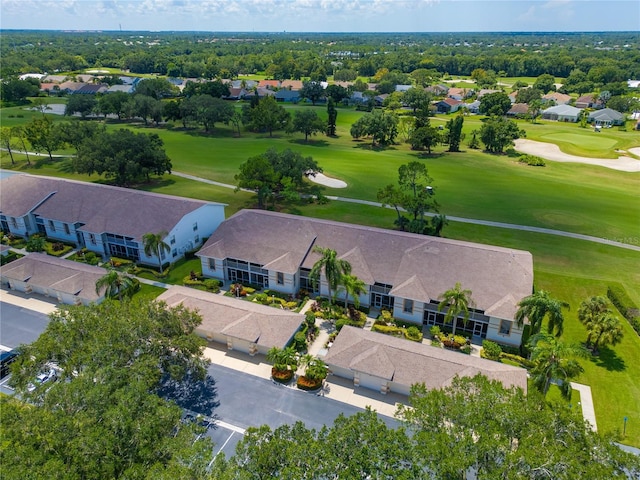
{"x": 282, "y": 376}
{"x": 309, "y": 384}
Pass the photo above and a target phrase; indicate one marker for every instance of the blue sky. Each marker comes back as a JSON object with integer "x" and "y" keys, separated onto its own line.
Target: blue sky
{"x": 323, "y": 15}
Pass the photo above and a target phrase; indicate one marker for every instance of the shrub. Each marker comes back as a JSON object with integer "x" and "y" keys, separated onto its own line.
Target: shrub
{"x": 386, "y": 317}
{"x": 345, "y": 321}
{"x": 466, "y": 349}
{"x": 300, "y": 341}
{"x": 518, "y": 359}
{"x": 35, "y": 243}
{"x": 57, "y": 249}
{"x": 532, "y": 160}
{"x": 290, "y": 305}
{"x": 120, "y": 262}
{"x": 490, "y": 350}
{"x": 414, "y": 333}
{"x": 435, "y": 331}
{"x": 91, "y": 258}
{"x": 212, "y": 285}
{"x": 388, "y": 330}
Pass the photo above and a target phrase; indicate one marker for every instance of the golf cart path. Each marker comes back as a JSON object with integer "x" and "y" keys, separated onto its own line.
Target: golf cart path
{"x": 511, "y": 226}
{"x": 551, "y": 151}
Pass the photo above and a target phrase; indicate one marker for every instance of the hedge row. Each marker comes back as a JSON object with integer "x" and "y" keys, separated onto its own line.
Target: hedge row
{"x": 625, "y": 305}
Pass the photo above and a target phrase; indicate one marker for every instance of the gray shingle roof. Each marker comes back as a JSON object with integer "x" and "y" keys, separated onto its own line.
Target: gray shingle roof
{"x": 415, "y": 265}
{"x": 57, "y": 273}
{"x": 101, "y": 208}
{"x": 252, "y": 322}
{"x": 406, "y": 362}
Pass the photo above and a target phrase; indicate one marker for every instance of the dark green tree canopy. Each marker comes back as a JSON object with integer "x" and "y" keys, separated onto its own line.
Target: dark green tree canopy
{"x": 313, "y": 91}
{"x": 497, "y": 133}
{"x": 274, "y": 173}
{"x": 307, "y": 122}
{"x": 124, "y": 156}
{"x": 103, "y": 417}
{"x": 497, "y": 103}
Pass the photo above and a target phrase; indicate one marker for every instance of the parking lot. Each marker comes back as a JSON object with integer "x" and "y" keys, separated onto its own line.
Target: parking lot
{"x": 235, "y": 400}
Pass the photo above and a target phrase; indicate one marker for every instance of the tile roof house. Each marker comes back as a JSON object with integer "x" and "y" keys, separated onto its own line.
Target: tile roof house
{"x": 485, "y": 91}
{"x": 460, "y": 93}
{"x": 403, "y": 272}
{"x": 556, "y": 97}
{"x": 245, "y": 326}
{"x": 518, "y": 110}
{"x": 291, "y": 84}
{"x": 69, "y": 282}
{"x": 389, "y": 364}
{"x": 449, "y": 105}
{"x": 270, "y": 84}
{"x": 606, "y": 117}
{"x": 109, "y": 221}
{"x": 587, "y": 101}
{"x": 562, "y": 113}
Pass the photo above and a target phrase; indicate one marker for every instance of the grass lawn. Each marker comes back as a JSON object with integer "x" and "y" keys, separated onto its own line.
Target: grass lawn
{"x": 148, "y": 292}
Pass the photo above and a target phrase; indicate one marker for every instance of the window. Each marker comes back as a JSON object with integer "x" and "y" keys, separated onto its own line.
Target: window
{"x": 66, "y": 229}
{"x": 197, "y": 239}
{"x": 212, "y": 264}
{"x": 14, "y": 223}
{"x": 408, "y": 306}
{"x": 52, "y": 226}
{"x": 174, "y": 252}
{"x": 173, "y": 240}
{"x": 280, "y": 277}
{"x": 92, "y": 239}
{"x": 195, "y": 226}
{"x": 505, "y": 327}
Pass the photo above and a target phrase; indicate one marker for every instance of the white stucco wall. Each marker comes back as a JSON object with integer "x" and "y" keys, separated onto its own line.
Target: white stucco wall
{"x": 513, "y": 338}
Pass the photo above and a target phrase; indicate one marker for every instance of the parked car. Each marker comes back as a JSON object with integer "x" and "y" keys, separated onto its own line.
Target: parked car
{"x": 42, "y": 378}
{"x": 6, "y": 359}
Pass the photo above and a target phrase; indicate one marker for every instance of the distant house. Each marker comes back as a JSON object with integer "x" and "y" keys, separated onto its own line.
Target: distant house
{"x": 460, "y": 93}
{"x": 358, "y": 98}
{"x": 49, "y": 87}
{"x": 292, "y": 96}
{"x": 389, "y": 364}
{"x": 85, "y": 78}
{"x": 240, "y": 325}
{"x": 633, "y": 83}
{"x": 129, "y": 80}
{"x": 291, "y": 84}
{"x": 344, "y": 84}
{"x": 518, "y": 110}
{"x": 562, "y": 113}
{"x": 448, "y": 105}
{"x": 557, "y": 98}
{"x": 437, "y": 90}
{"x": 91, "y": 89}
{"x": 237, "y": 93}
{"x": 71, "y": 87}
{"x": 247, "y": 84}
{"x": 473, "y": 107}
{"x": 379, "y": 99}
{"x": 109, "y": 221}
{"x": 69, "y": 282}
{"x": 270, "y": 84}
{"x": 121, "y": 88}
{"x": 403, "y": 88}
{"x": 403, "y": 272}
{"x": 512, "y": 97}
{"x": 262, "y": 92}
{"x": 485, "y": 91}
{"x": 606, "y": 117}
{"x": 54, "y": 79}
{"x": 587, "y": 101}
{"x": 38, "y": 76}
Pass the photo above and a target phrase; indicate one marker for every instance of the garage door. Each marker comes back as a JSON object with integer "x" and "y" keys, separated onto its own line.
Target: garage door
{"x": 369, "y": 381}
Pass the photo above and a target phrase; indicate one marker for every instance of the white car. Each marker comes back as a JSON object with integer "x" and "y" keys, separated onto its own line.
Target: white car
{"x": 42, "y": 378}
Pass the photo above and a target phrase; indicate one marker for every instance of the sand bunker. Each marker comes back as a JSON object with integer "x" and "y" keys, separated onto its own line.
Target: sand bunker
{"x": 322, "y": 179}
{"x": 550, "y": 151}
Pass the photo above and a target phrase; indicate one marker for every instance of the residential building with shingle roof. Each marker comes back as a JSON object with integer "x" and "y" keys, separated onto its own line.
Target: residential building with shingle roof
{"x": 403, "y": 272}
{"x": 556, "y": 97}
{"x": 606, "y": 117}
{"x": 389, "y": 364}
{"x": 241, "y": 325}
{"x": 109, "y": 221}
{"x": 562, "y": 113}
{"x": 67, "y": 281}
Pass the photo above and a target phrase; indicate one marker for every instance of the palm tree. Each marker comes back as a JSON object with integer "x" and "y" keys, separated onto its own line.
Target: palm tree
{"x": 315, "y": 368}
{"x": 536, "y": 307}
{"x": 553, "y": 361}
{"x": 590, "y": 311}
{"x": 458, "y": 302}
{"x": 332, "y": 266}
{"x": 283, "y": 359}
{"x": 154, "y": 244}
{"x": 605, "y": 330}
{"x": 353, "y": 286}
{"x": 115, "y": 283}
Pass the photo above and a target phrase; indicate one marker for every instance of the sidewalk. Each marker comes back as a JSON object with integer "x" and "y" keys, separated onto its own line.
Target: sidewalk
{"x": 35, "y": 302}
